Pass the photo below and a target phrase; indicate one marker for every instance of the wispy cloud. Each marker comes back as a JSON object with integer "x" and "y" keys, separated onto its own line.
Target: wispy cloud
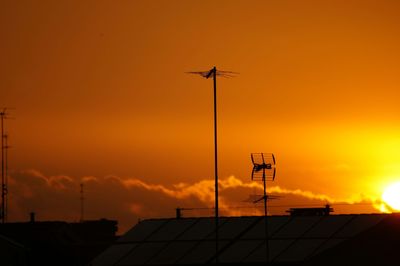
{"x": 204, "y": 190}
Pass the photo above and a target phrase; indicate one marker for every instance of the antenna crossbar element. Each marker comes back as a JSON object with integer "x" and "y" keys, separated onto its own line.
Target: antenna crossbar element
{"x": 263, "y": 166}
{"x": 258, "y": 198}
{"x": 210, "y": 73}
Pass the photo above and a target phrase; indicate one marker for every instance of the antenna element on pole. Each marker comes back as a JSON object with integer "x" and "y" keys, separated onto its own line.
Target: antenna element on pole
{"x": 264, "y": 168}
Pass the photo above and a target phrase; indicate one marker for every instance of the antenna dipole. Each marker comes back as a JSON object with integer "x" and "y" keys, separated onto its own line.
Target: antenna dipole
{"x": 207, "y": 74}
{"x": 82, "y": 198}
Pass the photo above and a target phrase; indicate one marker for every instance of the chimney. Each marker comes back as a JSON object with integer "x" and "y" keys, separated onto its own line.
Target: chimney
{"x": 328, "y": 209}
{"x": 178, "y": 213}
{"x": 32, "y": 216}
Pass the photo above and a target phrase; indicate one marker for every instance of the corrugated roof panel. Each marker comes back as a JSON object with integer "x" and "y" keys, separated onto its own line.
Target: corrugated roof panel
{"x": 173, "y": 252}
{"x": 239, "y": 250}
{"x": 274, "y": 224}
{"x": 360, "y": 223}
{"x": 328, "y": 244}
{"x": 142, "y": 253}
{"x": 275, "y": 248}
{"x": 142, "y": 230}
{"x": 112, "y": 254}
{"x": 300, "y": 249}
{"x": 297, "y": 227}
{"x": 189, "y": 241}
{"x": 200, "y": 230}
{"x": 231, "y": 228}
{"x": 171, "y": 230}
{"x": 328, "y": 225}
{"x": 202, "y": 253}
{"x": 13, "y": 253}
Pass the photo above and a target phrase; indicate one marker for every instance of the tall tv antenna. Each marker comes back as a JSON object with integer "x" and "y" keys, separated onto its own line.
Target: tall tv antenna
{"x": 208, "y": 74}
{"x": 4, "y": 168}
{"x": 264, "y": 169}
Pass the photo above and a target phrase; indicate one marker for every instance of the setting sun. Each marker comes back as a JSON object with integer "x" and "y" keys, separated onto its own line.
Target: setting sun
{"x": 391, "y": 196}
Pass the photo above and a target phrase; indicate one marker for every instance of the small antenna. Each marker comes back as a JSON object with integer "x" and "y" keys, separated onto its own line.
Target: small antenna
{"x": 82, "y": 198}
{"x": 256, "y": 198}
{"x": 264, "y": 168}
{"x": 209, "y": 73}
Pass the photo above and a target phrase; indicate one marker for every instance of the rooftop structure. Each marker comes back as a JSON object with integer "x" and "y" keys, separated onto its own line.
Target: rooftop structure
{"x": 54, "y": 242}
{"x": 300, "y": 240}
{"x": 310, "y": 211}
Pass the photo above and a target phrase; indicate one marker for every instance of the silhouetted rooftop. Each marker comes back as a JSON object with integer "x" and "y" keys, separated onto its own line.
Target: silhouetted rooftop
{"x": 305, "y": 240}
{"x": 56, "y": 242}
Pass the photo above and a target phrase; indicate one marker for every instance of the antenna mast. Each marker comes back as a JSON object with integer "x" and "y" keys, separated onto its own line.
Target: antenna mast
{"x": 207, "y": 74}
{"x": 264, "y": 168}
{"x": 4, "y": 170}
{"x": 6, "y": 147}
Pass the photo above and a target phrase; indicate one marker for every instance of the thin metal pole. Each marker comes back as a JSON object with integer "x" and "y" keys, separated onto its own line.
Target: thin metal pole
{"x": 216, "y": 164}
{"x": 2, "y": 169}
{"x": 265, "y": 197}
{"x": 82, "y": 204}
{"x": 265, "y": 213}
{"x": 265, "y": 219}
{"x": 6, "y": 147}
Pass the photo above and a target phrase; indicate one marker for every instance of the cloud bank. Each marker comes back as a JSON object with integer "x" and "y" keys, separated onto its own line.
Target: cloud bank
{"x": 129, "y": 199}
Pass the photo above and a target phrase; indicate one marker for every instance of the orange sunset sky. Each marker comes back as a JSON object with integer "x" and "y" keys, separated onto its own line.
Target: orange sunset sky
{"x": 101, "y": 97}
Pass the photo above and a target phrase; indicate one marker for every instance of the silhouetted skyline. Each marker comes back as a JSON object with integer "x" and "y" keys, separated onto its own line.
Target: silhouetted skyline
{"x": 101, "y": 98}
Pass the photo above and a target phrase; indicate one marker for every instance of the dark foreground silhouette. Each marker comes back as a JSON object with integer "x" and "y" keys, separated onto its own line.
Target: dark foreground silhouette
{"x": 54, "y": 243}
{"x": 355, "y": 239}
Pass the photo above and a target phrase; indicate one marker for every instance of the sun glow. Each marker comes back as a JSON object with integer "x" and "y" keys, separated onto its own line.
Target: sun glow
{"x": 391, "y": 196}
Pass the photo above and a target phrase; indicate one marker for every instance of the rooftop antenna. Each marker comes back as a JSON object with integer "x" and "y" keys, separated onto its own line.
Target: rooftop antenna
{"x": 82, "y": 198}
{"x": 208, "y": 74}
{"x": 255, "y": 198}
{"x": 4, "y": 147}
{"x": 264, "y": 168}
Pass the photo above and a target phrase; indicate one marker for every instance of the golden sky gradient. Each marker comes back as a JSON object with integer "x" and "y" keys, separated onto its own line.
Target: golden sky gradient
{"x": 99, "y": 89}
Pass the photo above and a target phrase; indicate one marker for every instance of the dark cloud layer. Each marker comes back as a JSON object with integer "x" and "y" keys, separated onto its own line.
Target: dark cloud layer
{"x": 130, "y": 199}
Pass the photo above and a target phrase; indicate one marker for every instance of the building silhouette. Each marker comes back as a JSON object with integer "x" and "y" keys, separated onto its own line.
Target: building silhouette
{"x": 54, "y": 242}
{"x": 355, "y": 239}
